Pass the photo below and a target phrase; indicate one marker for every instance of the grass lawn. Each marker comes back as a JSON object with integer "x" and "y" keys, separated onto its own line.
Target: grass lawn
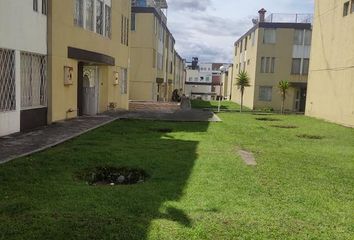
{"x": 225, "y": 105}
{"x": 199, "y": 188}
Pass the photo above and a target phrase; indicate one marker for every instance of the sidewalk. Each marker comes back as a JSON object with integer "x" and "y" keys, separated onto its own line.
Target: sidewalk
{"x": 23, "y": 144}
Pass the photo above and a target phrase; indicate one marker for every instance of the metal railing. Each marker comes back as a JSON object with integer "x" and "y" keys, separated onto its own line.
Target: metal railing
{"x": 289, "y": 18}
{"x": 7, "y": 80}
{"x": 157, "y": 4}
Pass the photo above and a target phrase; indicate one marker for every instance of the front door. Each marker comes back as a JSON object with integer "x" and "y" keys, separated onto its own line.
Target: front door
{"x": 90, "y": 90}
{"x": 303, "y": 94}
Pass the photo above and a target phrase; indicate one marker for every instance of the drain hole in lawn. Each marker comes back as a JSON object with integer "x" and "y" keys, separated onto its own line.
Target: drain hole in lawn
{"x": 268, "y": 119}
{"x": 163, "y": 130}
{"x": 285, "y": 126}
{"x": 306, "y": 136}
{"x": 113, "y": 176}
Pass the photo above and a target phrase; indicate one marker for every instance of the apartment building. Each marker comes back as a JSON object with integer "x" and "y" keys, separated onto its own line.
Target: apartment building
{"x": 217, "y": 86}
{"x": 23, "y": 65}
{"x": 331, "y": 78}
{"x": 61, "y": 59}
{"x": 227, "y": 80}
{"x": 199, "y": 80}
{"x": 276, "y": 48}
{"x": 88, "y": 44}
{"x": 152, "y": 52}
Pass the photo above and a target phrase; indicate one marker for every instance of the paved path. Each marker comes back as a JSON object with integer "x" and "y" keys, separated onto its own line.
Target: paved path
{"x": 23, "y": 144}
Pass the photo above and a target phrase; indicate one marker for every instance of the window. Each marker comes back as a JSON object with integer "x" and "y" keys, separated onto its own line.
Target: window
{"x": 270, "y": 36}
{"x": 7, "y": 81}
{"x": 33, "y": 80}
{"x": 305, "y": 66}
{"x": 263, "y": 65}
{"x": 99, "y": 16}
{"x": 265, "y": 94}
{"x": 108, "y": 21}
{"x": 133, "y": 24}
{"x": 241, "y": 46}
{"x": 253, "y": 38}
{"x": 35, "y": 5}
{"x": 308, "y": 37}
{"x": 190, "y": 79}
{"x": 352, "y": 8}
{"x": 207, "y": 79}
{"x": 124, "y": 81}
{"x": 267, "y": 64}
{"x": 44, "y": 7}
{"x": 272, "y": 65}
{"x": 196, "y": 79}
{"x": 154, "y": 58}
{"x": 89, "y": 15}
{"x": 296, "y": 66}
{"x": 171, "y": 67}
{"x": 345, "y": 9}
{"x": 79, "y": 13}
{"x": 246, "y": 41}
{"x": 298, "y": 37}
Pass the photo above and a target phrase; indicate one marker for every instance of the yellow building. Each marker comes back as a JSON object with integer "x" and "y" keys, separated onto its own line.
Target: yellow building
{"x": 152, "y": 53}
{"x": 88, "y": 57}
{"x": 276, "y": 48}
{"x": 331, "y": 78}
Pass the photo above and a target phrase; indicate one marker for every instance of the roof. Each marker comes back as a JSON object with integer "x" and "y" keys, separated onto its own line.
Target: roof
{"x": 275, "y": 25}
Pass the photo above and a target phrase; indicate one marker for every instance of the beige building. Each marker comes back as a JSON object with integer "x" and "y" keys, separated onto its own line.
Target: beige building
{"x": 88, "y": 57}
{"x": 331, "y": 78}
{"x": 153, "y": 55}
{"x": 276, "y": 48}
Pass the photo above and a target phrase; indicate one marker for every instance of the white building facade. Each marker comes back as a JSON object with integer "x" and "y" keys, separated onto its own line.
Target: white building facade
{"x": 23, "y": 65}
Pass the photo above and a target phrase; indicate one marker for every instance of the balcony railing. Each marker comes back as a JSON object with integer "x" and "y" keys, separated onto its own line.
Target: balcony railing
{"x": 157, "y": 4}
{"x": 289, "y": 18}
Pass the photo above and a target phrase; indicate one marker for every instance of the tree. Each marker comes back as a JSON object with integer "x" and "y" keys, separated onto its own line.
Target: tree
{"x": 242, "y": 82}
{"x": 283, "y": 87}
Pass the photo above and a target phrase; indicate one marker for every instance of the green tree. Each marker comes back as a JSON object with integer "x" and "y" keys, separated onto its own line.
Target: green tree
{"x": 242, "y": 82}
{"x": 283, "y": 87}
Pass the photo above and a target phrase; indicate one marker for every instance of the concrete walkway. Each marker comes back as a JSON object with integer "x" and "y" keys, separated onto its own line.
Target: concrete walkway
{"x": 23, "y": 144}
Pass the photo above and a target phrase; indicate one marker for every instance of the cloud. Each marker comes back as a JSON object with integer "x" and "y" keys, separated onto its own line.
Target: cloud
{"x": 190, "y": 5}
{"x": 208, "y": 28}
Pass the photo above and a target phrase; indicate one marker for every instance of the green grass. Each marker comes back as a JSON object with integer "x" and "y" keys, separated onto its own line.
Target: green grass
{"x": 198, "y": 188}
{"x": 225, "y": 105}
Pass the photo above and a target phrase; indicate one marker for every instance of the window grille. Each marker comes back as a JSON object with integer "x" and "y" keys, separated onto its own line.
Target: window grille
{"x": 124, "y": 81}
{"x": 265, "y": 94}
{"x": 108, "y": 21}
{"x": 33, "y": 80}
{"x": 99, "y": 17}
{"x": 7, "y": 81}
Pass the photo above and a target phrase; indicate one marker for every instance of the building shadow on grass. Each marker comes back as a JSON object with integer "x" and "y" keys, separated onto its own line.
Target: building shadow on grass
{"x": 60, "y": 207}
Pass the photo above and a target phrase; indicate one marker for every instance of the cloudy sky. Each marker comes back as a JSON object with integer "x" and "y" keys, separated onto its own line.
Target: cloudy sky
{"x": 208, "y": 28}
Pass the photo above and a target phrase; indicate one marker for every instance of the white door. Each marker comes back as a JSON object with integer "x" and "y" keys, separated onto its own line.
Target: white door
{"x": 91, "y": 89}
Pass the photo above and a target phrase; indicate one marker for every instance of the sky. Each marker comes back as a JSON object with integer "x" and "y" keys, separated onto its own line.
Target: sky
{"x": 208, "y": 28}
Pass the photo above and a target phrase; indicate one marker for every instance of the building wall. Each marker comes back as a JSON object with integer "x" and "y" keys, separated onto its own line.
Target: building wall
{"x": 144, "y": 44}
{"x": 62, "y": 33}
{"x": 17, "y": 32}
{"x": 250, "y": 67}
{"x": 331, "y": 79}
{"x": 283, "y": 51}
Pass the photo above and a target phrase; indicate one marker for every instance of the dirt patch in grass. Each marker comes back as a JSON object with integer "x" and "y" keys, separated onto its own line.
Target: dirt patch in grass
{"x": 267, "y": 119}
{"x": 313, "y": 137}
{"x": 285, "y": 126}
{"x": 162, "y": 130}
{"x": 262, "y": 114}
{"x": 112, "y": 176}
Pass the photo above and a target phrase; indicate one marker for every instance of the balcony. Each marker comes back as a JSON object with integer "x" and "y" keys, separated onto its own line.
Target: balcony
{"x": 289, "y": 18}
{"x": 159, "y": 5}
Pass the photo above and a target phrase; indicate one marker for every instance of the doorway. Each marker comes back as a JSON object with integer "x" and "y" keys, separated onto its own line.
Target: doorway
{"x": 300, "y": 99}
{"x": 88, "y": 90}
